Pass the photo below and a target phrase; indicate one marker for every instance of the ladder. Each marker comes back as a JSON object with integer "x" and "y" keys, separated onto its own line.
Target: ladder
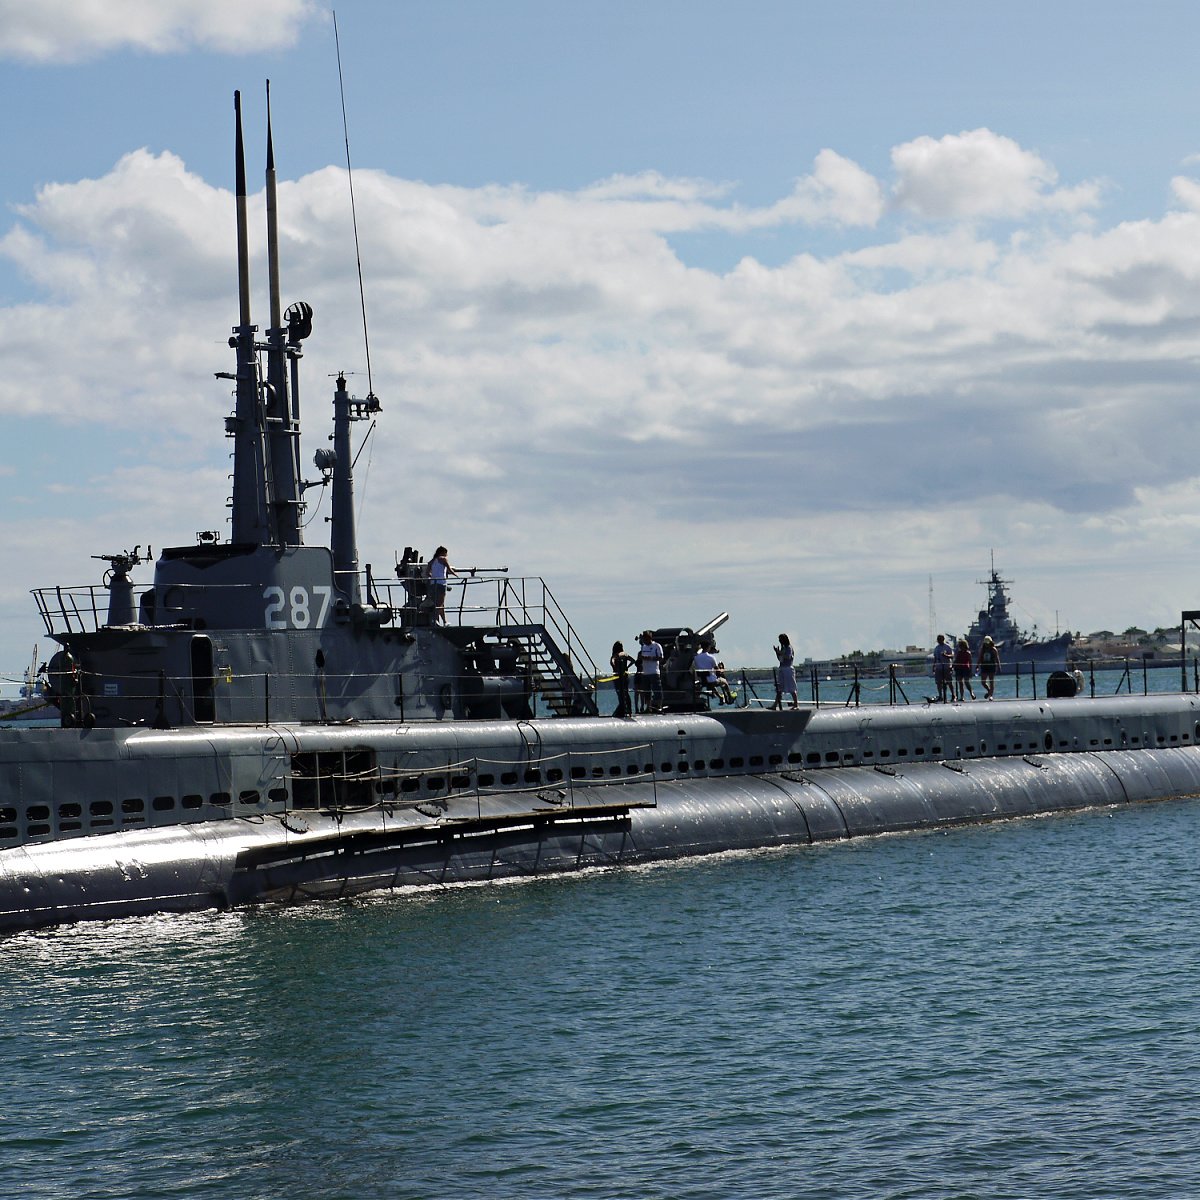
{"x": 565, "y": 692}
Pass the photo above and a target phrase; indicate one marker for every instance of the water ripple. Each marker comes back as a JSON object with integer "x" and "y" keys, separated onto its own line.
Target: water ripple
{"x": 1007, "y": 1011}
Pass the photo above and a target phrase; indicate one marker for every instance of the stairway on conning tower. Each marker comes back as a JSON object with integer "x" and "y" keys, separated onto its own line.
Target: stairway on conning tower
{"x": 564, "y": 691}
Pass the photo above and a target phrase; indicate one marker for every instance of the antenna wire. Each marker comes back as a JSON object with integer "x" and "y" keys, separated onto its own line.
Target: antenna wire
{"x": 362, "y": 296}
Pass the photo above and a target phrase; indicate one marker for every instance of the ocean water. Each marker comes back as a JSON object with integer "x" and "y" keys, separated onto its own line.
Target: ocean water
{"x": 1000, "y": 1011}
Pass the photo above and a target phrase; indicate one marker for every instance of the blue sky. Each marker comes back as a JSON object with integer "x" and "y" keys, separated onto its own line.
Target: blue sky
{"x": 775, "y": 308}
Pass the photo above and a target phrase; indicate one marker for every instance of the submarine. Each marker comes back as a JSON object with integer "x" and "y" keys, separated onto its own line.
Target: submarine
{"x": 267, "y": 721}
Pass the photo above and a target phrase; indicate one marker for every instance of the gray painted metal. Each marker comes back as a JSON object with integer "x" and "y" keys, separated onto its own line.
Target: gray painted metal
{"x": 300, "y": 856}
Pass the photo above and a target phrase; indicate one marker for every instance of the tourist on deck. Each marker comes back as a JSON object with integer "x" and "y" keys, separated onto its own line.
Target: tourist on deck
{"x": 943, "y": 665}
{"x": 962, "y": 670}
{"x": 785, "y": 677}
{"x": 710, "y": 676}
{"x": 650, "y": 659}
{"x": 439, "y": 569}
{"x": 989, "y": 664}
{"x": 620, "y": 663}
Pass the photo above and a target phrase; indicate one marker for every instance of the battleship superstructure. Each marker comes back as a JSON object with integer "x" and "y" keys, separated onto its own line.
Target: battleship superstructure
{"x": 1018, "y": 651}
{"x": 266, "y": 720}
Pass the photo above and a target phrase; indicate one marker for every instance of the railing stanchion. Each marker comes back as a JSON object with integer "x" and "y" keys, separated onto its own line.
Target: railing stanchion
{"x": 1183, "y": 655}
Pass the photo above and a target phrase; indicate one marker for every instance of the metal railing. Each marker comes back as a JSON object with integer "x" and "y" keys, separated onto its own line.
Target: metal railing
{"x": 489, "y": 600}
{"x": 72, "y": 609}
{"x": 270, "y": 696}
{"x": 855, "y": 685}
{"x": 494, "y": 601}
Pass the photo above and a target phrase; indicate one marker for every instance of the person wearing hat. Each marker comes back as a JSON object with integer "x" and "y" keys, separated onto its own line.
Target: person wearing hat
{"x": 989, "y": 664}
{"x": 649, "y": 659}
{"x": 711, "y": 678}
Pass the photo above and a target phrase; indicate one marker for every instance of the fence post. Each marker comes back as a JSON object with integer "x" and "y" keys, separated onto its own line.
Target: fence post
{"x": 1183, "y": 655}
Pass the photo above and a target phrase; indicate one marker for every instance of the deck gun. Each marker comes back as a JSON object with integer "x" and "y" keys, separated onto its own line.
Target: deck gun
{"x": 680, "y": 646}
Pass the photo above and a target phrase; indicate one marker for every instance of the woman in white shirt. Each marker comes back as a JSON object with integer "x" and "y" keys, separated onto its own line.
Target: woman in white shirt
{"x": 439, "y": 569}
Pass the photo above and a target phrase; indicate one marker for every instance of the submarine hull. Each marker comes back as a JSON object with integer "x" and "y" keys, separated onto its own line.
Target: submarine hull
{"x": 294, "y": 857}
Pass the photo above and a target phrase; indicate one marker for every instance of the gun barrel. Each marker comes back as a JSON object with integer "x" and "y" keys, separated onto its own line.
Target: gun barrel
{"x": 713, "y": 625}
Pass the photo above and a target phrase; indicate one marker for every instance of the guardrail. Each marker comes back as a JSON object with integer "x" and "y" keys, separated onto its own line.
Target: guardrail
{"x": 491, "y": 600}
{"x": 853, "y": 686}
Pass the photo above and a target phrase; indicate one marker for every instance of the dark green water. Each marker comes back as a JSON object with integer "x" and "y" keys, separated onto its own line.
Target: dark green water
{"x": 1006, "y": 1011}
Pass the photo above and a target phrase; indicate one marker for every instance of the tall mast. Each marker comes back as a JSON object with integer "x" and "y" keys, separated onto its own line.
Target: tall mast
{"x": 251, "y": 521}
{"x": 343, "y": 539}
{"x": 283, "y": 432}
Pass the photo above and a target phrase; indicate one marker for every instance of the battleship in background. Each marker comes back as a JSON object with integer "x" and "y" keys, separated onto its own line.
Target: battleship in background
{"x": 267, "y": 721}
{"x": 1018, "y": 651}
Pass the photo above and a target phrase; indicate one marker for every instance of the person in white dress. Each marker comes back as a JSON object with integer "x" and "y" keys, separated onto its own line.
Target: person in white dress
{"x": 785, "y": 677}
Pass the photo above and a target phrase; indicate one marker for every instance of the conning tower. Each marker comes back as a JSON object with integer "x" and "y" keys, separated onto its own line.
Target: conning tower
{"x": 262, "y": 628}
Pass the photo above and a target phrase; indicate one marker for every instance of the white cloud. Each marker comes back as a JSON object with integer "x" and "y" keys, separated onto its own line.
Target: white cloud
{"x": 65, "y": 31}
{"x": 980, "y": 174}
{"x": 561, "y": 389}
{"x": 653, "y": 186}
{"x": 1186, "y": 192}
{"x": 838, "y": 191}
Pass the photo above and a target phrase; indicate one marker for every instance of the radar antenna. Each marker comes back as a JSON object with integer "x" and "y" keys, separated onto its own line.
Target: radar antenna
{"x": 362, "y": 296}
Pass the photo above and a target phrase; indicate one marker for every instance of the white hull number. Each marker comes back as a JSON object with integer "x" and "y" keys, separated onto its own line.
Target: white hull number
{"x": 294, "y": 609}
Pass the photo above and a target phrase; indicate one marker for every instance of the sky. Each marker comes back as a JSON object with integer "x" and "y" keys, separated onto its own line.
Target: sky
{"x": 801, "y": 311}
